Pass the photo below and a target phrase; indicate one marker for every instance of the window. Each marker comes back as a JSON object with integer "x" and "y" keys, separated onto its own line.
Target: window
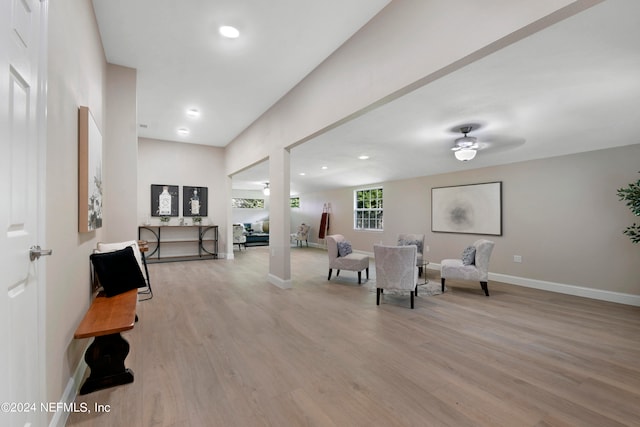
{"x": 367, "y": 212}
{"x": 295, "y": 202}
{"x": 247, "y": 203}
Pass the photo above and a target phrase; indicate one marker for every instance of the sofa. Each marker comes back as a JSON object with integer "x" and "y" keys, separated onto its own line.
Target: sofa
{"x": 257, "y": 233}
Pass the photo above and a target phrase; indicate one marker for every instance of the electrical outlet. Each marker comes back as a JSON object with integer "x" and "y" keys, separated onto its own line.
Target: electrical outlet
{"x": 517, "y": 258}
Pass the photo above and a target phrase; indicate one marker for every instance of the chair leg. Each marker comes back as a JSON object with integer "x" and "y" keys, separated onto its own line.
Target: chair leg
{"x": 148, "y": 291}
{"x": 330, "y": 270}
{"x": 419, "y": 271}
{"x": 359, "y": 277}
{"x": 367, "y": 273}
{"x": 416, "y": 291}
{"x": 485, "y": 288}
{"x": 337, "y": 273}
{"x": 378, "y": 296}
{"x": 442, "y": 280}
{"x": 411, "y": 300}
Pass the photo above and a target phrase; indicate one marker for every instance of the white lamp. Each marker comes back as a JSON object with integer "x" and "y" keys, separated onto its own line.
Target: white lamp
{"x": 266, "y": 191}
{"x": 465, "y": 154}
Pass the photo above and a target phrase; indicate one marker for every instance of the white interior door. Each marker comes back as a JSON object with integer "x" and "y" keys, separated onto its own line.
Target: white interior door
{"x": 21, "y": 60}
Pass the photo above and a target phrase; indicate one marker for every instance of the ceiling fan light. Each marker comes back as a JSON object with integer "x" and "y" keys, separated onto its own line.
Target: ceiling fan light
{"x": 465, "y": 154}
{"x": 229, "y": 32}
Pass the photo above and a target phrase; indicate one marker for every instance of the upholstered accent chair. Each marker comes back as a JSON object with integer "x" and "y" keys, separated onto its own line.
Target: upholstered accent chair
{"x": 302, "y": 235}
{"x": 396, "y": 269}
{"x": 418, "y": 240}
{"x": 350, "y": 262}
{"x": 239, "y": 236}
{"x": 476, "y": 269}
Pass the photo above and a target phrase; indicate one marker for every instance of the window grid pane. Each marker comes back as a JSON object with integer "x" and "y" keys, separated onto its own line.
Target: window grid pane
{"x": 368, "y": 211}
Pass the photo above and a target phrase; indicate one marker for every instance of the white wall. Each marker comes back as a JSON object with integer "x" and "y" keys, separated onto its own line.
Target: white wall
{"x": 76, "y": 77}
{"x": 173, "y": 163}
{"x": 561, "y": 214}
{"x": 121, "y": 155}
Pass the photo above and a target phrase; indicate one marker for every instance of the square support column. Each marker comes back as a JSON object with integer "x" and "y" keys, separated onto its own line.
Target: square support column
{"x": 279, "y": 219}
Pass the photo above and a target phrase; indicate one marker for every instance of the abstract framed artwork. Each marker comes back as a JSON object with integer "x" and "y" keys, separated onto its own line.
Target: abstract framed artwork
{"x": 194, "y": 201}
{"x": 89, "y": 172}
{"x": 164, "y": 200}
{"x": 471, "y": 209}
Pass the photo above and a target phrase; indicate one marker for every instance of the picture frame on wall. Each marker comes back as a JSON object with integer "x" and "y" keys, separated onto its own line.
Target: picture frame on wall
{"x": 194, "y": 201}
{"x": 470, "y": 209}
{"x": 164, "y": 200}
{"x": 89, "y": 172}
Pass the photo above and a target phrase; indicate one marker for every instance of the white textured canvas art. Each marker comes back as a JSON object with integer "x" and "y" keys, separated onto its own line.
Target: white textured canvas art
{"x": 89, "y": 172}
{"x": 472, "y": 209}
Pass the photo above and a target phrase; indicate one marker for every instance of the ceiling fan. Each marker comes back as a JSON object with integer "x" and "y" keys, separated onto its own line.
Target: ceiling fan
{"x": 465, "y": 147}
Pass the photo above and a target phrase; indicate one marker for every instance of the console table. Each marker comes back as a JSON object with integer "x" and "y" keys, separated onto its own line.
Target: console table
{"x": 202, "y": 240}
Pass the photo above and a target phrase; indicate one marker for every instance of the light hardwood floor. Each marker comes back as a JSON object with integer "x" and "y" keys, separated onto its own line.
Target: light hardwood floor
{"x": 220, "y": 346}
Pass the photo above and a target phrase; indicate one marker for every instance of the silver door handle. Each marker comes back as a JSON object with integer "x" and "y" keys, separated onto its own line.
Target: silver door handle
{"x": 36, "y": 252}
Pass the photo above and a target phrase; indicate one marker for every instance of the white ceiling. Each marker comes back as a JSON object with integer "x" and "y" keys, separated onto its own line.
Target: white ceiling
{"x": 570, "y": 88}
{"x": 182, "y": 62}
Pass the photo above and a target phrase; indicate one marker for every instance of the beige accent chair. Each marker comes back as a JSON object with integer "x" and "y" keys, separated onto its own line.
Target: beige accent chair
{"x": 414, "y": 239}
{"x": 351, "y": 262}
{"x": 396, "y": 269}
{"x": 239, "y": 236}
{"x": 302, "y": 234}
{"x": 479, "y": 271}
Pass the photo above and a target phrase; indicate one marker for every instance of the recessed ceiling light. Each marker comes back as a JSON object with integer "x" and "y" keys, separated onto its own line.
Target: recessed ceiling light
{"x": 229, "y": 32}
{"x": 193, "y": 112}
{"x": 363, "y": 157}
{"x": 324, "y": 168}
{"x": 302, "y": 174}
{"x": 183, "y": 131}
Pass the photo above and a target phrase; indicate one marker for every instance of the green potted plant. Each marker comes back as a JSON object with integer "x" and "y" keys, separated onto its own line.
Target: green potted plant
{"x": 197, "y": 220}
{"x": 165, "y": 219}
{"x": 631, "y": 195}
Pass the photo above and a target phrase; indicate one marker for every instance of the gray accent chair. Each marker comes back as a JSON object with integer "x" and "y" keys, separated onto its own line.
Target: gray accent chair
{"x": 479, "y": 271}
{"x": 414, "y": 239}
{"x": 351, "y": 262}
{"x": 239, "y": 236}
{"x": 396, "y": 269}
{"x": 302, "y": 235}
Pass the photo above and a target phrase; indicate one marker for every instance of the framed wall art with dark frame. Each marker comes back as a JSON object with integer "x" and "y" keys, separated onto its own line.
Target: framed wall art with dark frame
{"x": 194, "y": 201}
{"x": 89, "y": 172}
{"x": 164, "y": 200}
{"x": 470, "y": 209}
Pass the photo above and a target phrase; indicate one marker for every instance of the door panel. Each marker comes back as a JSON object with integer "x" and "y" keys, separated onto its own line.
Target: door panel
{"x": 20, "y": 332}
{"x": 18, "y": 141}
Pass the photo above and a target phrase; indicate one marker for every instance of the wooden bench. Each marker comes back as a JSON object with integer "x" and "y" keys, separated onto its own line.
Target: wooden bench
{"x": 105, "y": 319}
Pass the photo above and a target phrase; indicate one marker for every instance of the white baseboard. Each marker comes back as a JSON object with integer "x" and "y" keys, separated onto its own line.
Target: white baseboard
{"x": 282, "y": 284}
{"x": 70, "y": 393}
{"x": 561, "y": 288}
